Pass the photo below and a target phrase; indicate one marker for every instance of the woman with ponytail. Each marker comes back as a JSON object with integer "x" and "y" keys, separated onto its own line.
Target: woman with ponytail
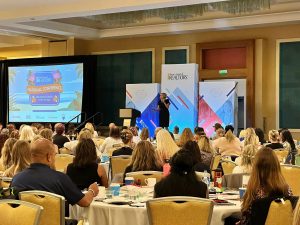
{"x": 229, "y": 145}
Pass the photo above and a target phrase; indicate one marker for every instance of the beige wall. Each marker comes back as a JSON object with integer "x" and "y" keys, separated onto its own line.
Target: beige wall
{"x": 268, "y": 55}
{"x": 268, "y": 45}
{"x": 28, "y": 51}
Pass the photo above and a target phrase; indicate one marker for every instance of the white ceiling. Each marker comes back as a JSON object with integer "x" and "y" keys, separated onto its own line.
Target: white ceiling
{"x": 29, "y": 21}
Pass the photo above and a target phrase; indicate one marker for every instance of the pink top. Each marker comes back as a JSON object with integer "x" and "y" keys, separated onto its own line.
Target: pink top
{"x": 228, "y": 148}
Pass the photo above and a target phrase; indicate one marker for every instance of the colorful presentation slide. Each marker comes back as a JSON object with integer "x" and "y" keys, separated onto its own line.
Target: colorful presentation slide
{"x": 51, "y": 93}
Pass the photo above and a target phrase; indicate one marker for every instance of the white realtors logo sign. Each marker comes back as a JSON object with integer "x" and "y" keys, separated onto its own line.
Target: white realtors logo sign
{"x": 177, "y": 76}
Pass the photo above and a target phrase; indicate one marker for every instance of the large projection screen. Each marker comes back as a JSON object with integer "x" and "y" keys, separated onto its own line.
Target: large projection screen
{"x": 45, "y": 93}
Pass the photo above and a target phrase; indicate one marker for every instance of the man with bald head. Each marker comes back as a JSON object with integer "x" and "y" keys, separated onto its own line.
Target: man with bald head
{"x": 41, "y": 176}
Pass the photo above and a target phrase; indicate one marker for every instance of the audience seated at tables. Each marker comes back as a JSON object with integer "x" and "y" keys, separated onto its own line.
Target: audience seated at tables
{"x": 6, "y": 157}
{"x": 245, "y": 161}
{"x": 26, "y": 133}
{"x": 199, "y": 165}
{"x": 176, "y": 134}
{"x": 182, "y": 180}
{"x": 85, "y": 170}
{"x": 229, "y": 145}
{"x": 90, "y": 126}
{"x": 261, "y": 136}
{"x": 289, "y": 144}
{"x": 41, "y": 176}
{"x": 165, "y": 146}
{"x": 206, "y": 150}
{"x": 143, "y": 159}
{"x": 266, "y": 180}
{"x": 126, "y": 137}
{"x": 113, "y": 139}
{"x": 274, "y": 139}
{"x": 20, "y": 158}
{"x": 59, "y": 138}
{"x": 145, "y": 134}
{"x": 186, "y": 136}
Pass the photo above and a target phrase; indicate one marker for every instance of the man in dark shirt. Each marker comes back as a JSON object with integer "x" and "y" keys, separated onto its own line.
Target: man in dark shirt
{"x": 41, "y": 176}
{"x": 59, "y": 139}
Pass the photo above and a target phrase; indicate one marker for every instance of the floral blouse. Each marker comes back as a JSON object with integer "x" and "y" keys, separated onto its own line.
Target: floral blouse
{"x": 245, "y": 220}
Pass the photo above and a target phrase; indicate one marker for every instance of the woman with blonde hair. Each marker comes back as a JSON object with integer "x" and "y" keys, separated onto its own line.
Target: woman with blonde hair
{"x": 274, "y": 139}
{"x": 229, "y": 145}
{"x": 5, "y": 160}
{"x": 250, "y": 137}
{"x": 90, "y": 126}
{"x": 206, "y": 150}
{"x": 187, "y": 135}
{"x": 166, "y": 147}
{"x": 27, "y": 133}
{"x": 47, "y": 134}
{"x": 143, "y": 159}
{"x": 20, "y": 158}
{"x": 246, "y": 160}
{"x": 266, "y": 180}
{"x": 145, "y": 134}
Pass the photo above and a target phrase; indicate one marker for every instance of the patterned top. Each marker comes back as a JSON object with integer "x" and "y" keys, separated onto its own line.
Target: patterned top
{"x": 245, "y": 220}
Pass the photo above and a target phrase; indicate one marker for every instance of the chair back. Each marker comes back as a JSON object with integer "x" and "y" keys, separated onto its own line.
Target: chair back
{"x": 280, "y": 213}
{"x": 179, "y": 211}
{"x": 297, "y": 160}
{"x": 234, "y": 180}
{"x": 215, "y": 162}
{"x": 228, "y": 166}
{"x": 53, "y": 204}
{"x": 62, "y": 161}
{"x": 292, "y": 175}
{"x": 118, "y": 164}
{"x": 281, "y": 154}
{"x": 64, "y": 150}
{"x": 15, "y": 212}
{"x": 143, "y": 175}
{"x": 98, "y": 141}
{"x": 5, "y": 182}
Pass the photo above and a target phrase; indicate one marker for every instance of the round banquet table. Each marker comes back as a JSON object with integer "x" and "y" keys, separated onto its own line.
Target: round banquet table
{"x": 100, "y": 213}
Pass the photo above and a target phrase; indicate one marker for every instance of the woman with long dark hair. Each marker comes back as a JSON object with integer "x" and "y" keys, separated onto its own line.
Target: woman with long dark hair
{"x": 182, "y": 181}
{"x": 289, "y": 144}
{"x": 266, "y": 180}
{"x": 84, "y": 170}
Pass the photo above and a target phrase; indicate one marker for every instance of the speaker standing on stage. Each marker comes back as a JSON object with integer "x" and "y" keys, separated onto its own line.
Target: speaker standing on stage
{"x": 163, "y": 108}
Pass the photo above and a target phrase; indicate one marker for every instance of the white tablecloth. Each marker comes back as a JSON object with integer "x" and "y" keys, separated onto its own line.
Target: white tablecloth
{"x": 100, "y": 213}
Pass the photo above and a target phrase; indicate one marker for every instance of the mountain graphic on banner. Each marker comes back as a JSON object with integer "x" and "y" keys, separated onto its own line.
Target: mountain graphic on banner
{"x": 207, "y": 117}
{"x": 149, "y": 117}
{"x": 226, "y": 111}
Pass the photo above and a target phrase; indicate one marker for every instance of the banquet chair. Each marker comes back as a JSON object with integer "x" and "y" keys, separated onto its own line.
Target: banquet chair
{"x": 234, "y": 180}
{"x": 297, "y": 160}
{"x": 5, "y": 182}
{"x": 15, "y": 212}
{"x": 53, "y": 204}
{"x": 215, "y": 163}
{"x": 228, "y": 166}
{"x": 143, "y": 175}
{"x": 292, "y": 175}
{"x": 179, "y": 211}
{"x": 98, "y": 141}
{"x": 62, "y": 161}
{"x": 118, "y": 164}
{"x": 280, "y": 213}
{"x": 281, "y": 154}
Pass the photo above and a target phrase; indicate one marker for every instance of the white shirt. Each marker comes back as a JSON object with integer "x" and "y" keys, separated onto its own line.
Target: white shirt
{"x": 108, "y": 143}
